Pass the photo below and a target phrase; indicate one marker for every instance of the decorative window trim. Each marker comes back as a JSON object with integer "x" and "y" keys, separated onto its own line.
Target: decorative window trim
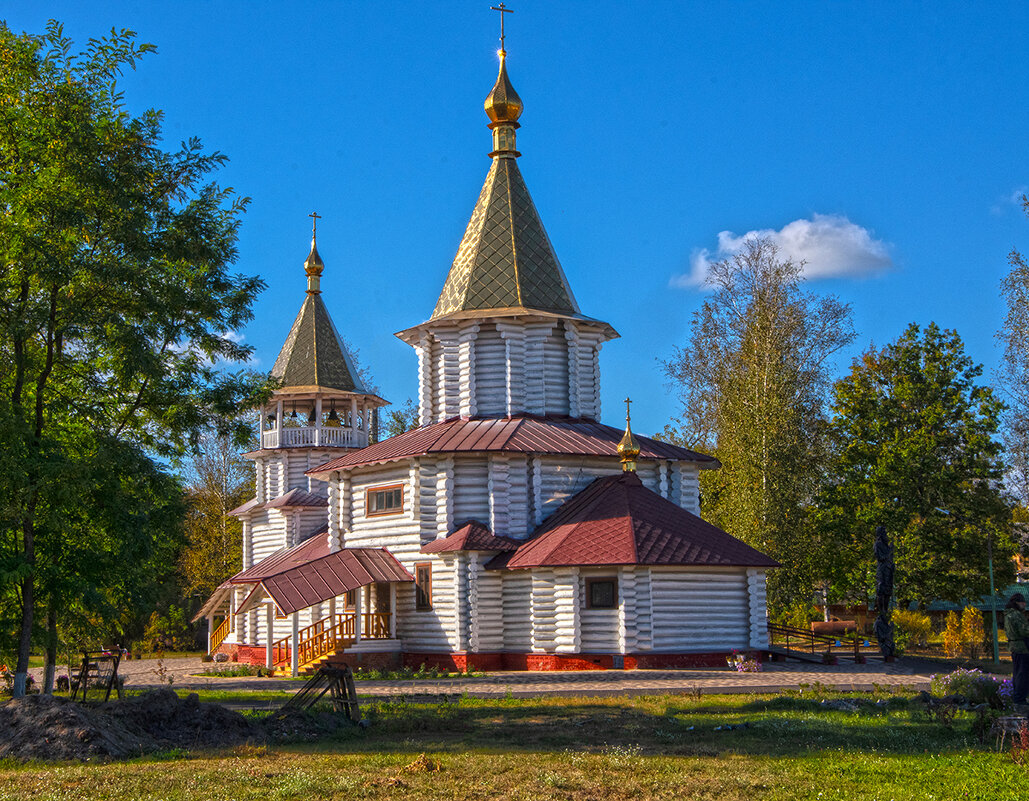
{"x": 383, "y": 488}
{"x": 591, "y": 582}
{"x": 423, "y": 588}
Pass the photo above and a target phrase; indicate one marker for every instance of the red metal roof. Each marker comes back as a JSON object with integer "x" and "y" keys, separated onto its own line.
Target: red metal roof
{"x": 472, "y": 536}
{"x": 520, "y": 434}
{"x": 314, "y": 547}
{"x": 293, "y": 498}
{"x": 332, "y": 575}
{"x": 616, "y": 520}
{"x": 246, "y": 507}
{"x": 296, "y": 497}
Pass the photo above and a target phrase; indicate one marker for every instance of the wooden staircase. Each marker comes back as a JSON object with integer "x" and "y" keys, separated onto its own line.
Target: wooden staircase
{"x": 319, "y": 642}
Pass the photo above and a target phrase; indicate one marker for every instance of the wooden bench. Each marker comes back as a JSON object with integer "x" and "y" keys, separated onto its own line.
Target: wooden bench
{"x": 834, "y": 628}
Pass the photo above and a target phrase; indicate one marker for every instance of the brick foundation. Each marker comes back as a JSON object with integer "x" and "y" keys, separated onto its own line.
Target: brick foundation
{"x": 492, "y": 662}
{"x": 462, "y": 662}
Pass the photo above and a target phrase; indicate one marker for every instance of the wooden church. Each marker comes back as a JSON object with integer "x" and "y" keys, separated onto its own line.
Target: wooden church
{"x": 511, "y": 529}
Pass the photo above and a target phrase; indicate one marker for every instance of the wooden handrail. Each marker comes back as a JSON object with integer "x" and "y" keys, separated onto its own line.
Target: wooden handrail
{"x": 375, "y": 625}
{"x": 330, "y": 634}
{"x": 220, "y": 633}
{"x": 280, "y": 651}
{"x": 326, "y": 636}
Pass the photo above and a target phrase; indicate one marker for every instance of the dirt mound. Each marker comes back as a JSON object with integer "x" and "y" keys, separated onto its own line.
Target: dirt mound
{"x": 44, "y": 727}
{"x": 47, "y": 728}
{"x": 170, "y": 721}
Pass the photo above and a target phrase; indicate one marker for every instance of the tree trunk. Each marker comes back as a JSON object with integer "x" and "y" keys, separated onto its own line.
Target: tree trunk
{"x": 51, "y": 649}
{"x": 21, "y": 669}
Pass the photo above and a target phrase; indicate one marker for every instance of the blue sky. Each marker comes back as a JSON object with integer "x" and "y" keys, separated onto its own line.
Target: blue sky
{"x": 886, "y": 142}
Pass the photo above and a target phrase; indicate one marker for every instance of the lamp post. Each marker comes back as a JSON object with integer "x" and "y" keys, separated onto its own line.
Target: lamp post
{"x": 993, "y": 590}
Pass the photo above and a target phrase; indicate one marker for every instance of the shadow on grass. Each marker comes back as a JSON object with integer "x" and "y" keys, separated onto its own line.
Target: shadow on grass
{"x": 654, "y": 726}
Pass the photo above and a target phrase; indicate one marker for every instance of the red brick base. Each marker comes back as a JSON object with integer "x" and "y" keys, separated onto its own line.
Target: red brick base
{"x": 245, "y": 654}
{"x": 462, "y": 662}
{"x": 491, "y": 662}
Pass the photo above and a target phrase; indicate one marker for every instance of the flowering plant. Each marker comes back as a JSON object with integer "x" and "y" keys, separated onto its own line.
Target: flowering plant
{"x": 977, "y": 687}
{"x": 741, "y": 663}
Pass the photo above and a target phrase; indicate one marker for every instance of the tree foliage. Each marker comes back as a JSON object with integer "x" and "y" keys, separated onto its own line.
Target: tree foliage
{"x": 219, "y": 480}
{"x": 116, "y": 299}
{"x": 400, "y": 419}
{"x": 918, "y": 453}
{"x": 753, "y": 382}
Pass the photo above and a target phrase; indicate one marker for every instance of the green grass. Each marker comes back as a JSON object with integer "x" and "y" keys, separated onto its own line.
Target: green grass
{"x": 779, "y": 747}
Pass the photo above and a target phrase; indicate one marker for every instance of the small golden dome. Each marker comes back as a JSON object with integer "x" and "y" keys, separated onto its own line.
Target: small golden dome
{"x": 314, "y": 265}
{"x": 503, "y": 103}
{"x": 629, "y": 447}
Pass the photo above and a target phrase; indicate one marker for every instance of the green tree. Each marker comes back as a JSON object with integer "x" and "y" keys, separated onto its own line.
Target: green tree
{"x": 918, "y": 453}
{"x": 1014, "y": 384}
{"x": 116, "y": 299}
{"x": 401, "y": 419}
{"x": 753, "y": 380}
{"x": 218, "y": 481}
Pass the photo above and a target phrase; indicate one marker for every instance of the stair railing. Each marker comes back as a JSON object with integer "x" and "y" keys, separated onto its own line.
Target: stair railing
{"x": 220, "y": 633}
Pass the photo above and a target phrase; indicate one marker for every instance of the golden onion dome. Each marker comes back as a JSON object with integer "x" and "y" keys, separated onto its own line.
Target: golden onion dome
{"x": 629, "y": 447}
{"x": 314, "y": 265}
{"x": 503, "y": 103}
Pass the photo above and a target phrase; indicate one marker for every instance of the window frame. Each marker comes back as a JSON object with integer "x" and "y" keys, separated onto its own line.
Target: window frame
{"x": 592, "y": 581}
{"x": 423, "y": 591}
{"x": 383, "y": 488}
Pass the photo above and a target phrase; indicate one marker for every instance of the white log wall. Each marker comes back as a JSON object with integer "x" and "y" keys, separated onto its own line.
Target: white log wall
{"x": 758, "y": 608}
{"x": 486, "y": 606}
{"x": 471, "y": 490}
{"x": 490, "y": 373}
{"x": 517, "y": 590}
{"x": 635, "y": 617}
{"x": 700, "y": 611}
{"x": 599, "y": 628}
{"x": 503, "y": 366}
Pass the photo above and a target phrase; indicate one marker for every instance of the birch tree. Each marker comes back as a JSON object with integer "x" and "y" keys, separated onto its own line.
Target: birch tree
{"x": 753, "y": 379}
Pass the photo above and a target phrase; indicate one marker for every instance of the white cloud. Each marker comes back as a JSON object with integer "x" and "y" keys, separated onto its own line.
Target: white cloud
{"x": 1014, "y": 198}
{"x": 830, "y": 245}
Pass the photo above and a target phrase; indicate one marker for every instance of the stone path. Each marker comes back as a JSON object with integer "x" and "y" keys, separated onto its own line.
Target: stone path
{"x": 775, "y": 676}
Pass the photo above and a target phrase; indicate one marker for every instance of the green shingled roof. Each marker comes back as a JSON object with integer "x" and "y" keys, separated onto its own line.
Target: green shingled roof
{"x": 314, "y": 354}
{"x": 505, "y": 259}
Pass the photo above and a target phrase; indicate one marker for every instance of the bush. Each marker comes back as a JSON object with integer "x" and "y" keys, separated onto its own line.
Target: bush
{"x": 911, "y": 628}
{"x": 952, "y": 636}
{"x": 974, "y": 686}
{"x": 798, "y": 616}
{"x": 973, "y": 633}
{"x": 167, "y": 632}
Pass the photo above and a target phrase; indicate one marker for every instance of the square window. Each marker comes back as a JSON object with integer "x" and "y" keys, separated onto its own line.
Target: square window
{"x": 384, "y": 500}
{"x": 423, "y": 586}
{"x": 602, "y": 593}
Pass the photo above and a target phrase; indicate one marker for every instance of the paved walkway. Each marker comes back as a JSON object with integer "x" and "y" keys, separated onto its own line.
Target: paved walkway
{"x": 775, "y": 676}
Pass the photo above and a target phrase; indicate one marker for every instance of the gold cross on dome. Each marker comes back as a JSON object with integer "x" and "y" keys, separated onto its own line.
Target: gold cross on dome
{"x": 503, "y": 10}
{"x": 315, "y": 216}
{"x": 627, "y": 402}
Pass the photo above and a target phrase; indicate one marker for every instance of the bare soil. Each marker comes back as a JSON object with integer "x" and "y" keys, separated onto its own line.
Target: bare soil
{"x": 40, "y": 727}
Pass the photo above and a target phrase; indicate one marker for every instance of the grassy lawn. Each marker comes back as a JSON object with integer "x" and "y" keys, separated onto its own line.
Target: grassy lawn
{"x": 712, "y": 747}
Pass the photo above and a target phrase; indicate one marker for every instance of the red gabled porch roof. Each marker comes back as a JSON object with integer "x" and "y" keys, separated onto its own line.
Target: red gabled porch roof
{"x": 616, "y": 520}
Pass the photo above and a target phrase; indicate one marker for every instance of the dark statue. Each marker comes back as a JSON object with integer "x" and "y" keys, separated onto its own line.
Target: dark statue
{"x": 885, "y": 567}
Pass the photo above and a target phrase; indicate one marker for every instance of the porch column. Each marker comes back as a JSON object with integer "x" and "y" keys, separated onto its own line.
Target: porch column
{"x": 210, "y": 631}
{"x": 278, "y": 424}
{"x": 392, "y": 610}
{"x": 318, "y": 420}
{"x": 353, "y": 425}
{"x": 294, "y": 651}
{"x": 270, "y": 636}
{"x": 358, "y": 609}
{"x": 232, "y": 612}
